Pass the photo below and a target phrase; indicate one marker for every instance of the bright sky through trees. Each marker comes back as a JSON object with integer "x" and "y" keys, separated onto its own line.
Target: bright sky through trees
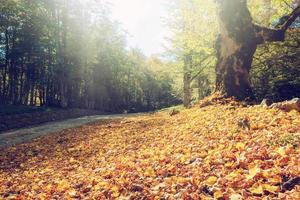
{"x": 143, "y": 20}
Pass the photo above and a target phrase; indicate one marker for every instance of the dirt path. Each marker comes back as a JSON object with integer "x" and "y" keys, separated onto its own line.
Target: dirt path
{"x": 26, "y": 134}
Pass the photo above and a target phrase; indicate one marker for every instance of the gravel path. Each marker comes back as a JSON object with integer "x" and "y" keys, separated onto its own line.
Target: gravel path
{"x": 26, "y": 134}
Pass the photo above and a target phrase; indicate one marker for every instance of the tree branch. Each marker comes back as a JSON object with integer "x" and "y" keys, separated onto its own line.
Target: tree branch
{"x": 292, "y": 17}
{"x": 264, "y": 34}
{"x": 199, "y": 72}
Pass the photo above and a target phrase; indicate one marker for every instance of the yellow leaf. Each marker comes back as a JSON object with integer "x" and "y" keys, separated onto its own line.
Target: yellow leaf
{"x": 35, "y": 187}
{"x": 274, "y": 179}
{"x": 72, "y": 193}
{"x": 270, "y": 188}
{"x": 218, "y": 194}
{"x": 236, "y": 197}
{"x": 149, "y": 172}
{"x": 240, "y": 146}
{"x": 257, "y": 190}
{"x": 183, "y": 159}
{"x": 12, "y": 196}
{"x": 202, "y": 154}
{"x": 115, "y": 191}
{"x": 72, "y": 161}
{"x": 63, "y": 186}
{"x": 204, "y": 197}
{"x": 100, "y": 185}
{"x": 233, "y": 174}
{"x": 281, "y": 151}
{"x": 253, "y": 171}
{"x": 211, "y": 180}
{"x": 229, "y": 164}
{"x": 49, "y": 187}
{"x": 182, "y": 180}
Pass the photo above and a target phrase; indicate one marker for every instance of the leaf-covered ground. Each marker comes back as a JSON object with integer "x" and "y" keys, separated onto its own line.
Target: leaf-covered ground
{"x": 221, "y": 151}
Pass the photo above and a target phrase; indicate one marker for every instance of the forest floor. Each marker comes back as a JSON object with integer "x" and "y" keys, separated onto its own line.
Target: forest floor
{"x": 223, "y": 151}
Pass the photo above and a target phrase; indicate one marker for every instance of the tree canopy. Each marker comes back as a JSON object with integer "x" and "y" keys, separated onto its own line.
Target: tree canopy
{"x": 71, "y": 54}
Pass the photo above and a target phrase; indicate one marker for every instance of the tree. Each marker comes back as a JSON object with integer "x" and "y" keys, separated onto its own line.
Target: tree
{"x": 71, "y": 54}
{"x": 192, "y": 41}
{"x": 237, "y": 43}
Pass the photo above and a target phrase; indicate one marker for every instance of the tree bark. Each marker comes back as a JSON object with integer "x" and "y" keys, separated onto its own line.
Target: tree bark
{"x": 235, "y": 49}
{"x": 62, "y": 46}
{"x": 187, "y": 93}
{"x": 203, "y": 87}
{"x": 237, "y": 44}
{"x": 6, "y": 66}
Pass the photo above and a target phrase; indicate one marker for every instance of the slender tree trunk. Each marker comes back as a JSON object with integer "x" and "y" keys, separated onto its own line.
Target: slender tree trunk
{"x": 35, "y": 96}
{"x": 237, "y": 44}
{"x": 203, "y": 87}
{"x": 20, "y": 101}
{"x": 4, "y": 77}
{"x": 187, "y": 93}
{"x": 32, "y": 93}
{"x": 62, "y": 46}
{"x": 12, "y": 71}
{"x": 27, "y": 83}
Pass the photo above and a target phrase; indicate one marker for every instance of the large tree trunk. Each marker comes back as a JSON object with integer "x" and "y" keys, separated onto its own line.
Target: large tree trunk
{"x": 235, "y": 49}
{"x": 237, "y": 44}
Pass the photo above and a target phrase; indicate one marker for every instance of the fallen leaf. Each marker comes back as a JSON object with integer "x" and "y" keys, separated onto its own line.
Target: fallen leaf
{"x": 218, "y": 194}
{"x": 270, "y": 188}
{"x": 240, "y": 146}
{"x": 235, "y": 197}
{"x": 256, "y": 189}
{"x": 281, "y": 151}
{"x": 253, "y": 171}
{"x": 211, "y": 180}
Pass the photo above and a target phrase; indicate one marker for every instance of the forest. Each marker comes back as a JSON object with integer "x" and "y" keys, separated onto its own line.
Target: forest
{"x": 71, "y": 54}
{"x": 215, "y": 115}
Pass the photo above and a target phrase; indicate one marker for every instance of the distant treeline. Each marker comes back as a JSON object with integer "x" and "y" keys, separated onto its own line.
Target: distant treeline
{"x": 70, "y": 54}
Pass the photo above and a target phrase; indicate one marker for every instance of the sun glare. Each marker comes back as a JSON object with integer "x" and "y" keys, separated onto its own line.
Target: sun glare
{"x": 142, "y": 19}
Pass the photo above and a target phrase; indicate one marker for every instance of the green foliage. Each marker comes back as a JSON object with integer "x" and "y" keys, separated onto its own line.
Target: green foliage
{"x": 267, "y": 12}
{"x": 275, "y": 72}
{"x": 192, "y": 41}
{"x": 71, "y": 54}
